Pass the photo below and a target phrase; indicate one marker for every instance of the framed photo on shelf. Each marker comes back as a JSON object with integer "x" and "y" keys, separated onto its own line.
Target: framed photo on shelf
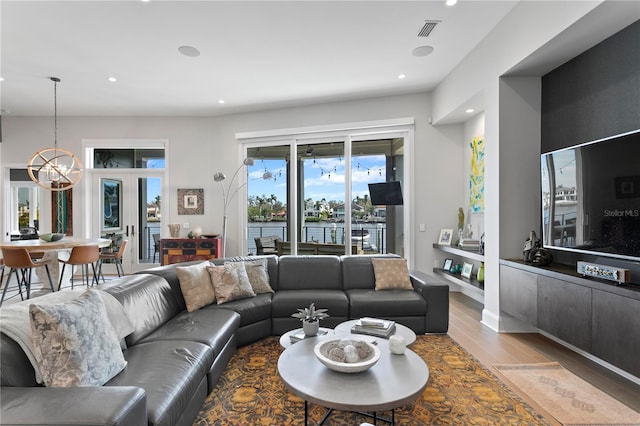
{"x": 467, "y": 268}
{"x": 447, "y": 264}
{"x": 445, "y": 237}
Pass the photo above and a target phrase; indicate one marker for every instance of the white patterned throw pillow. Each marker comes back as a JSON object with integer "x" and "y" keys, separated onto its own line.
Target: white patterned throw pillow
{"x": 230, "y": 282}
{"x": 74, "y": 343}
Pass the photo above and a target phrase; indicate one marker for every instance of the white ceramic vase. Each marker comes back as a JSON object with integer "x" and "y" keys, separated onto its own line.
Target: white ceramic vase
{"x": 397, "y": 344}
{"x": 174, "y": 230}
{"x": 310, "y": 328}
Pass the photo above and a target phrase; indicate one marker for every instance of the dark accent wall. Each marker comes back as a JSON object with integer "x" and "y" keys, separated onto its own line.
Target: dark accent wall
{"x": 595, "y": 94}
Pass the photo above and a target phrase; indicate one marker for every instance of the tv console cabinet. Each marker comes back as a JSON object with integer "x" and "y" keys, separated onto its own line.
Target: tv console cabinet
{"x": 596, "y": 316}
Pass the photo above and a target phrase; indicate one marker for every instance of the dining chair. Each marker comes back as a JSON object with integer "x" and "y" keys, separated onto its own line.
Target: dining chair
{"x": 20, "y": 262}
{"x": 115, "y": 257}
{"x": 1, "y": 271}
{"x": 82, "y": 256}
{"x": 156, "y": 245}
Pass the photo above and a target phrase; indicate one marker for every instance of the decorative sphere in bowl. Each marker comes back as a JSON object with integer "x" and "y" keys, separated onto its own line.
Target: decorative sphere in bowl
{"x": 347, "y": 355}
{"x": 51, "y": 237}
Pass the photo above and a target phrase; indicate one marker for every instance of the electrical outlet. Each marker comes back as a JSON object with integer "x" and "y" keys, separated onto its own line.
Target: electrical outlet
{"x": 185, "y": 225}
{"x": 422, "y": 227}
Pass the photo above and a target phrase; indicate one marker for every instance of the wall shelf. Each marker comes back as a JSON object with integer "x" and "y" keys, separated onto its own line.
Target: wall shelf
{"x": 457, "y": 279}
{"x": 469, "y": 254}
{"x": 470, "y": 286}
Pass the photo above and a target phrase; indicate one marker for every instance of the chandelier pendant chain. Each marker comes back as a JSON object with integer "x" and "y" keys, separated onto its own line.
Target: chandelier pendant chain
{"x": 55, "y": 113}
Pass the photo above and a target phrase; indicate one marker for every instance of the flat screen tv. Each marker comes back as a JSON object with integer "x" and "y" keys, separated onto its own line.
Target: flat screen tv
{"x": 591, "y": 197}
{"x": 386, "y": 194}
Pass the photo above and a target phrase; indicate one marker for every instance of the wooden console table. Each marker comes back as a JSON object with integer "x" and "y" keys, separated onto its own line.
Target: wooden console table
{"x": 176, "y": 250}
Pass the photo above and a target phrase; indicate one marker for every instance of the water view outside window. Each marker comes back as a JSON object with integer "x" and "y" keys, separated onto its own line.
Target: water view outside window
{"x": 321, "y": 211}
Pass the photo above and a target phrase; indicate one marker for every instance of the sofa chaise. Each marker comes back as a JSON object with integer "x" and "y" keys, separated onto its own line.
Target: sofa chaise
{"x": 175, "y": 357}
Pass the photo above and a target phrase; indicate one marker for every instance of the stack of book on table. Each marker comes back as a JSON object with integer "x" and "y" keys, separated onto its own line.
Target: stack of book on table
{"x": 299, "y": 335}
{"x": 374, "y": 327}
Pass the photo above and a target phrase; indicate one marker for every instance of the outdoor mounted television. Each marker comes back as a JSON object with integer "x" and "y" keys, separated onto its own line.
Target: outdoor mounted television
{"x": 591, "y": 197}
{"x": 385, "y": 194}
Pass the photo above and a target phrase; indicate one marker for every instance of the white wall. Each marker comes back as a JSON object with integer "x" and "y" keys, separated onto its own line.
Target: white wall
{"x": 198, "y": 147}
{"x": 509, "y": 150}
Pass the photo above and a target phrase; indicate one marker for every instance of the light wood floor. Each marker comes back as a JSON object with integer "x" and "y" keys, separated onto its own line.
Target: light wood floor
{"x": 492, "y": 348}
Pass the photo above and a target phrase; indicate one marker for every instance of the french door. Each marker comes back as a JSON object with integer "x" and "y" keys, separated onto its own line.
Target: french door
{"x": 126, "y": 206}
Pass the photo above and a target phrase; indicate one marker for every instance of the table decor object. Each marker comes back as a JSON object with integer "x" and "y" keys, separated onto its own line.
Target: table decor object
{"x": 310, "y": 318}
{"x": 347, "y": 355}
{"x": 54, "y": 236}
{"x": 397, "y": 344}
{"x": 374, "y": 327}
{"x": 301, "y": 335}
{"x": 174, "y": 230}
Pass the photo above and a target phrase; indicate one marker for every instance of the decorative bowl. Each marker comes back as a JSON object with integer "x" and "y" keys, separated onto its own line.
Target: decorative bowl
{"x": 51, "y": 237}
{"x": 333, "y": 354}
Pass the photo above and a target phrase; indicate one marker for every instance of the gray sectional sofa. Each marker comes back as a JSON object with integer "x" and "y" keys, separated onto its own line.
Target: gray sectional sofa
{"x": 174, "y": 357}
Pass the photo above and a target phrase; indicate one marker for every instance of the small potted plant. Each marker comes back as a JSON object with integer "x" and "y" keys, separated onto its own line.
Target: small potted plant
{"x": 310, "y": 318}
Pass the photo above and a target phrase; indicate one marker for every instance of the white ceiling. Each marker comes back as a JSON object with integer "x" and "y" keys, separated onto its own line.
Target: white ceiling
{"x": 254, "y": 55}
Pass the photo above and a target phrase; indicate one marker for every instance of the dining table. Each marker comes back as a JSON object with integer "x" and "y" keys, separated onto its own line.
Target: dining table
{"x": 52, "y": 251}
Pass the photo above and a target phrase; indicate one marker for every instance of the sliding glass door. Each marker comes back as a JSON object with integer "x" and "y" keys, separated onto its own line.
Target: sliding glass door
{"x": 325, "y": 196}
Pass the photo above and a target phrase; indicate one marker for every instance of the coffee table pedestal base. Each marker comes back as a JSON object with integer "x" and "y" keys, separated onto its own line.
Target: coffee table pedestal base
{"x": 391, "y": 420}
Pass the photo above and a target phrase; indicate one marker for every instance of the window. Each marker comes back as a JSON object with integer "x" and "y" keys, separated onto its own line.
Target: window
{"x": 304, "y": 204}
{"x": 128, "y": 158}
{"x": 25, "y": 206}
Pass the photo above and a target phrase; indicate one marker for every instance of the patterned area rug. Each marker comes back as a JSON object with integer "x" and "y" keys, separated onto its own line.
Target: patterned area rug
{"x": 459, "y": 392}
{"x": 568, "y": 398}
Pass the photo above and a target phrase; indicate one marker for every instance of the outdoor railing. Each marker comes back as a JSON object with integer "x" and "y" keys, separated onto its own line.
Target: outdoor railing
{"x": 326, "y": 234}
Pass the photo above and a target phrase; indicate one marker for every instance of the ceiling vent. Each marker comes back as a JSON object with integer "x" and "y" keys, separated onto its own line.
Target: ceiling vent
{"x": 427, "y": 28}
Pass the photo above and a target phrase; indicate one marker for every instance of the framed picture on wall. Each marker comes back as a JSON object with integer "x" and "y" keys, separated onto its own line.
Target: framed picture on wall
{"x": 190, "y": 201}
{"x": 467, "y": 269}
{"x": 445, "y": 237}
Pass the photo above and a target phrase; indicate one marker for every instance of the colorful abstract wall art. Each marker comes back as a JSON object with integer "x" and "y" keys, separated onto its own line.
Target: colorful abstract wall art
{"x": 476, "y": 178}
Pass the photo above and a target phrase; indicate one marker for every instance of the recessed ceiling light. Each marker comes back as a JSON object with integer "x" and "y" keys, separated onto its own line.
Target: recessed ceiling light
{"x": 422, "y": 51}
{"x": 401, "y": 76}
{"x": 470, "y": 110}
{"x": 189, "y": 51}
{"x": 112, "y": 79}
{"x": 1, "y": 79}
{"x": 220, "y": 101}
{"x": 451, "y": 2}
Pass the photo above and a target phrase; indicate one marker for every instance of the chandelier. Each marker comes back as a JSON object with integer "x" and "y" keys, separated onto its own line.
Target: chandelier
{"x": 55, "y": 169}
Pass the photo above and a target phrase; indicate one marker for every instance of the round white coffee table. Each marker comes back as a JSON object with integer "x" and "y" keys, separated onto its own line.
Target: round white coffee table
{"x": 393, "y": 382}
{"x": 401, "y": 330}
